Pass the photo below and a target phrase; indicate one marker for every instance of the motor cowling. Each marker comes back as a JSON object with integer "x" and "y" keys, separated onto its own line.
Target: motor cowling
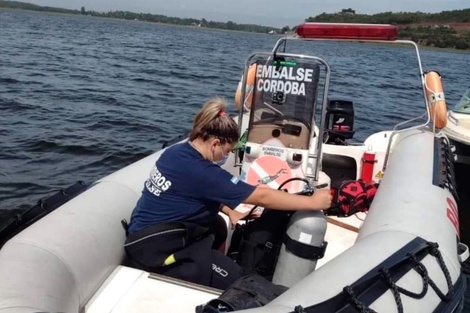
{"x": 339, "y": 119}
{"x": 303, "y": 244}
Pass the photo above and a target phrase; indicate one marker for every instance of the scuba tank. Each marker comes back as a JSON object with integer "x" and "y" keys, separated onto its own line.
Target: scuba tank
{"x": 303, "y": 244}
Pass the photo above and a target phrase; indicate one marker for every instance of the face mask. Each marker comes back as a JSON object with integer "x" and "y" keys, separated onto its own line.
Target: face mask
{"x": 223, "y": 160}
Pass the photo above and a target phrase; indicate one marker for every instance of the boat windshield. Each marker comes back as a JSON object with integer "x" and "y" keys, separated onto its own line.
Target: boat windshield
{"x": 284, "y": 96}
{"x": 463, "y": 106}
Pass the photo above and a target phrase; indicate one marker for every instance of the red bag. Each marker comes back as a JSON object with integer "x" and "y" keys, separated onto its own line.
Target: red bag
{"x": 351, "y": 197}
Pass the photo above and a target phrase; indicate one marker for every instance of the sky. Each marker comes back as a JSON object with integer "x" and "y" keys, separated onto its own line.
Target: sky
{"x": 274, "y": 13}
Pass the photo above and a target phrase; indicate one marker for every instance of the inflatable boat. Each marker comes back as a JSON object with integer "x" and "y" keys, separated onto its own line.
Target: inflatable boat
{"x": 458, "y": 128}
{"x": 400, "y": 253}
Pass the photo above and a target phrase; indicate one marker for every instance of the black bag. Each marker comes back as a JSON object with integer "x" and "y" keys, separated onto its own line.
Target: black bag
{"x": 247, "y": 292}
{"x": 255, "y": 246}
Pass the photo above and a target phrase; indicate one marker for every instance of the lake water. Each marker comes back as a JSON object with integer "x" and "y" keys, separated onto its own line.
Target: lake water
{"x": 81, "y": 97}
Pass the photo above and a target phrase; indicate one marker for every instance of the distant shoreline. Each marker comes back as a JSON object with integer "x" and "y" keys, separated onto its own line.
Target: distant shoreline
{"x": 145, "y": 17}
{"x": 141, "y": 21}
{"x": 422, "y": 43}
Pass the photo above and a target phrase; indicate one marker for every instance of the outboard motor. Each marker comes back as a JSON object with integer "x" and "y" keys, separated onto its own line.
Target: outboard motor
{"x": 339, "y": 120}
{"x": 303, "y": 244}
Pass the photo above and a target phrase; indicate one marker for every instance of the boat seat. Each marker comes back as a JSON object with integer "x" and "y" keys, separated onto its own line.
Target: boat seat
{"x": 292, "y": 134}
{"x": 339, "y": 168}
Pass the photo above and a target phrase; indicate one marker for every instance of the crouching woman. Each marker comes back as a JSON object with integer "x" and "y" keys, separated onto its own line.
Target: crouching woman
{"x": 175, "y": 229}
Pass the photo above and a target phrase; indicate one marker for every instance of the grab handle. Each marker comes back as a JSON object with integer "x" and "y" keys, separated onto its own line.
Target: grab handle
{"x": 463, "y": 252}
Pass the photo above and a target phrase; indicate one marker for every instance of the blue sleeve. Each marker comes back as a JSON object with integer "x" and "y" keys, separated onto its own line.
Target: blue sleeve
{"x": 218, "y": 185}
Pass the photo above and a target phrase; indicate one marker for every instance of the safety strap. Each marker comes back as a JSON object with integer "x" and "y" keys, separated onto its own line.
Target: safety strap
{"x": 303, "y": 250}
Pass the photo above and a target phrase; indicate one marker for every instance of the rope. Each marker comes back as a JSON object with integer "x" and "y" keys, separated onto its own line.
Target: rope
{"x": 391, "y": 284}
{"x": 449, "y": 173}
{"x": 423, "y": 272}
{"x": 418, "y": 266}
{"x": 361, "y": 307}
{"x": 299, "y": 309}
{"x": 437, "y": 254}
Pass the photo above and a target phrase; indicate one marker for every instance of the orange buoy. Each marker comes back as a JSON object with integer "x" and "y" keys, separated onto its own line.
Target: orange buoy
{"x": 250, "y": 82}
{"x": 436, "y": 99}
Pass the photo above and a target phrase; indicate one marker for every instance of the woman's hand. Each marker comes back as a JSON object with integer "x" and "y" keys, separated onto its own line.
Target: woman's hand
{"x": 322, "y": 199}
{"x": 235, "y": 216}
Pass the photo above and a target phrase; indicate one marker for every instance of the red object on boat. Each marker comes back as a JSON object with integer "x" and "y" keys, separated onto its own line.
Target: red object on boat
{"x": 368, "y": 161}
{"x": 342, "y": 127}
{"x": 348, "y": 31}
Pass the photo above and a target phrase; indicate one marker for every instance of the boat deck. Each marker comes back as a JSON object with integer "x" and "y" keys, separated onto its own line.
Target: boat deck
{"x": 341, "y": 234}
{"x": 131, "y": 290}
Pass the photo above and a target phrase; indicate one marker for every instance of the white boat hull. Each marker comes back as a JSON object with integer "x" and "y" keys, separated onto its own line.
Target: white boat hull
{"x": 458, "y": 131}
{"x": 59, "y": 263}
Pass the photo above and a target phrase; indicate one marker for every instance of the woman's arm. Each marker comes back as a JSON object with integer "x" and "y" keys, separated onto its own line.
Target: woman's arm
{"x": 225, "y": 209}
{"x": 233, "y": 215}
{"x": 280, "y": 200}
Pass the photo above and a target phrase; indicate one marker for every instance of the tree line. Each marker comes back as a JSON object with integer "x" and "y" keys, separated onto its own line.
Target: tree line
{"x": 147, "y": 17}
{"x": 400, "y": 18}
{"x": 430, "y": 29}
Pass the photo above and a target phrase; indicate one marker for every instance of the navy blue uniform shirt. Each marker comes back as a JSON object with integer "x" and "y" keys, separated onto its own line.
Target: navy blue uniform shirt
{"x": 185, "y": 187}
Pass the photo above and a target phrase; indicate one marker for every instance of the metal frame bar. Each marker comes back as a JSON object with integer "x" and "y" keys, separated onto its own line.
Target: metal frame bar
{"x": 395, "y": 131}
